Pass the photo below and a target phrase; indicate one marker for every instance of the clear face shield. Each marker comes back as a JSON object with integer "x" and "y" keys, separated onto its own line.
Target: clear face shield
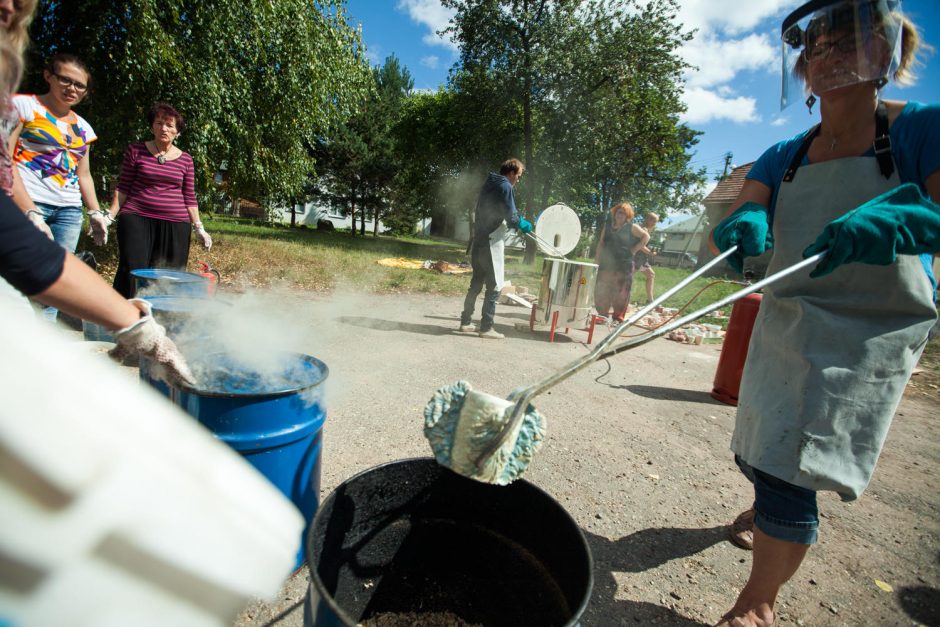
{"x": 828, "y": 44}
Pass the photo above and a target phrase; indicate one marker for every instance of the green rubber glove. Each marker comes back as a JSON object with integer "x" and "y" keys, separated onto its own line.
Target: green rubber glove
{"x": 899, "y": 222}
{"x": 748, "y": 229}
{"x": 525, "y": 226}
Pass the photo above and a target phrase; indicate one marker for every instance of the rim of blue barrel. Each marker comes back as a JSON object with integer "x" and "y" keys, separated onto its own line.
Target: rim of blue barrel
{"x": 177, "y": 302}
{"x": 155, "y": 274}
{"x": 321, "y": 369}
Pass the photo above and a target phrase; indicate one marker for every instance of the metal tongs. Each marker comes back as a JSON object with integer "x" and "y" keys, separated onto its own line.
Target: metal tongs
{"x": 524, "y": 396}
{"x": 547, "y": 247}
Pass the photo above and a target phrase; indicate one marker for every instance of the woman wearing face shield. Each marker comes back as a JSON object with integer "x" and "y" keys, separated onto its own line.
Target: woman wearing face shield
{"x": 832, "y": 349}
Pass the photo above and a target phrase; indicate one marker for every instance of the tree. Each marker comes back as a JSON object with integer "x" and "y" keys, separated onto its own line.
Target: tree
{"x": 591, "y": 91}
{"x": 359, "y": 162}
{"x": 257, "y": 81}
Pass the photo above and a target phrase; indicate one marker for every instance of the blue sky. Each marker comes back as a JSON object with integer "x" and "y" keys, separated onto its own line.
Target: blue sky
{"x": 734, "y": 96}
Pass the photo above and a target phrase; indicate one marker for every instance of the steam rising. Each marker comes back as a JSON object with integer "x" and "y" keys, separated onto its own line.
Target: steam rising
{"x": 244, "y": 344}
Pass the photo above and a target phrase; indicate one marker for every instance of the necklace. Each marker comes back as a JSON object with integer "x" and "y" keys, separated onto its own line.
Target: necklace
{"x": 161, "y": 157}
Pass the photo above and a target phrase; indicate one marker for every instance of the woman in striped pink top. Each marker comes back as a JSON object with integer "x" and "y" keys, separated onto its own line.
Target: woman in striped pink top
{"x": 155, "y": 202}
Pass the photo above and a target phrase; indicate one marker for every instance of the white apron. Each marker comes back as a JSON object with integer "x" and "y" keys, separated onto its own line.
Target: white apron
{"x": 829, "y": 358}
{"x": 498, "y": 254}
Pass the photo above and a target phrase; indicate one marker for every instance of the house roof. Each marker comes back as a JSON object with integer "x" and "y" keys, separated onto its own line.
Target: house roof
{"x": 690, "y": 225}
{"x": 730, "y": 186}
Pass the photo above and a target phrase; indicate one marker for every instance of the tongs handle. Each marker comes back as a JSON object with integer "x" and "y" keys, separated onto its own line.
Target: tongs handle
{"x": 551, "y": 249}
{"x": 525, "y": 395}
{"x": 727, "y": 300}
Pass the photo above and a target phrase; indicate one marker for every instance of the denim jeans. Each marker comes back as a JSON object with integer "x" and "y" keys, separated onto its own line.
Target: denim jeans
{"x": 483, "y": 275}
{"x": 66, "y": 226}
{"x": 782, "y": 510}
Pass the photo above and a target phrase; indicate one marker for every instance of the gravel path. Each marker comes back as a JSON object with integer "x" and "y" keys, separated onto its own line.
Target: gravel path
{"x": 637, "y": 452}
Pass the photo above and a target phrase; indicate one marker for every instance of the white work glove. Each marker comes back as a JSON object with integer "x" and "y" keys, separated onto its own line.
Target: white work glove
{"x": 146, "y": 337}
{"x": 204, "y": 238}
{"x": 39, "y": 221}
{"x": 98, "y": 223}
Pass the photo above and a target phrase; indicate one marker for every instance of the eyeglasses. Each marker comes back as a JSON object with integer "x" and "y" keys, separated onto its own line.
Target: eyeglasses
{"x": 66, "y": 82}
{"x": 822, "y": 50}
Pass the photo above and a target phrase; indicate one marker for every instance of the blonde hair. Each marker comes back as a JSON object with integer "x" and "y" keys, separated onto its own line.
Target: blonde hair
{"x": 11, "y": 68}
{"x": 18, "y": 31}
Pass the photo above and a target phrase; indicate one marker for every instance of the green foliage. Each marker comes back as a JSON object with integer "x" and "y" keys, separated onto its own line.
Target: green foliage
{"x": 257, "y": 81}
{"x": 358, "y": 160}
{"x": 588, "y": 92}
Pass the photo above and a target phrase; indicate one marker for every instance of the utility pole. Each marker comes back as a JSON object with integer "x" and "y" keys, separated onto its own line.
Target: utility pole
{"x": 701, "y": 216}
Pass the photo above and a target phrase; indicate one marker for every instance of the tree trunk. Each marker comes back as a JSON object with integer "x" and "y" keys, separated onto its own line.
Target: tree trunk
{"x": 293, "y": 215}
{"x": 352, "y": 214}
{"x": 529, "y": 257}
{"x": 375, "y": 225}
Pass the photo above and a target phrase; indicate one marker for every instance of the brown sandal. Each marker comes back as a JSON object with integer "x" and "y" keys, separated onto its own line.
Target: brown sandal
{"x": 741, "y": 532}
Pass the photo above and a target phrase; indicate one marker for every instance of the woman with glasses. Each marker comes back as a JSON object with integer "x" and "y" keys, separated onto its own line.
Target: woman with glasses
{"x": 833, "y": 346}
{"x": 50, "y": 146}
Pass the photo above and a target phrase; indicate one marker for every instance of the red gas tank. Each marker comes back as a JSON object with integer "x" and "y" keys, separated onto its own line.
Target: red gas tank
{"x": 734, "y": 350}
{"x": 210, "y": 273}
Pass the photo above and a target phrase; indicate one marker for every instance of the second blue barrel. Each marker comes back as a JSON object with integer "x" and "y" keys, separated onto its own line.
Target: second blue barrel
{"x": 153, "y": 281}
{"x": 270, "y": 411}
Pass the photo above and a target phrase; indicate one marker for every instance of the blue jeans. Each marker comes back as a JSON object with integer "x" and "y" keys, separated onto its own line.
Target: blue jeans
{"x": 483, "y": 275}
{"x": 66, "y": 226}
{"x": 782, "y": 510}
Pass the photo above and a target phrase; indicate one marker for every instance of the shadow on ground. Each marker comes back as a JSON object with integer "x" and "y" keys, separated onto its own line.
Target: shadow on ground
{"x": 639, "y": 552}
{"x": 921, "y": 603}
{"x": 672, "y": 394}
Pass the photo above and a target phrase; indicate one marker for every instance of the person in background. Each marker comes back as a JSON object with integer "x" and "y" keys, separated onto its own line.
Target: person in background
{"x": 642, "y": 260}
{"x": 619, "y": 241}
{"x": 832, "y": 349}
{"x": 155, "y": 202}
{"x": 496, "y": 208}
{"x": 40, "y": 268}
{"x": 50, "y": 149}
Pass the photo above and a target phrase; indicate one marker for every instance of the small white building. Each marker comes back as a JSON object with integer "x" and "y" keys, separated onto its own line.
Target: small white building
{"x": 684, "y": 236}
{"x": 310, "y": 214}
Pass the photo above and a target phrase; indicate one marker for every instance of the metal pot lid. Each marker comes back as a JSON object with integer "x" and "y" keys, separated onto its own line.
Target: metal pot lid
{"x": 559, "y": 226}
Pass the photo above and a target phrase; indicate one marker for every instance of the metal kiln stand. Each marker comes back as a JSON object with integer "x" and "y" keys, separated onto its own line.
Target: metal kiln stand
{"x": 566, "y": 292}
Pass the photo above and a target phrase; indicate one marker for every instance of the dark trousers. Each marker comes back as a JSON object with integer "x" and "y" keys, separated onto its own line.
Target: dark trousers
{"x": 149, "y": 243}
{"x": 612, "y": 291}
{"x": 481, "y": 260}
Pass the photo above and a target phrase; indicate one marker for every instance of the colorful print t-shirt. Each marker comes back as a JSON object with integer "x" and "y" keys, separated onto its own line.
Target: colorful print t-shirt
{"x": 48, "y": 151}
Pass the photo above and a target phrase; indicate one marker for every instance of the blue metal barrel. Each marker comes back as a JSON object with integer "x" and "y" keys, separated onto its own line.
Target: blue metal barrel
{"x": 273, "y": 418}
{"x": 154, "y": 281}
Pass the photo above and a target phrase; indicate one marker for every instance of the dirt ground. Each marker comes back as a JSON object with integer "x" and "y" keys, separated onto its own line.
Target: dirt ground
{"x": 638, "y": 453}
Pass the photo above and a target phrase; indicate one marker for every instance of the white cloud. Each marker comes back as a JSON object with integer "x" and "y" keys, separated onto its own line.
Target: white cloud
{"x": 727, "y": 43}
{"x": 717, "y": 61}
{"x": 430, "y": 13}
{"x": 707, "y": 106}
{"x": 731, "y": 16}
{"x": 779, "y": 121}
{"x": 431, "y": 61}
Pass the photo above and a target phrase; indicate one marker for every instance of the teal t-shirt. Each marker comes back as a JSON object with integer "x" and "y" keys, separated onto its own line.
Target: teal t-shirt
{"x": 915, "y": 146}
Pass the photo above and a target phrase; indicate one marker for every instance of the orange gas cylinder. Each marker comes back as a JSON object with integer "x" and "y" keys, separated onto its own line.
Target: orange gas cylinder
{"x": 211, "y": 274}
{"x": 734, "y": 351}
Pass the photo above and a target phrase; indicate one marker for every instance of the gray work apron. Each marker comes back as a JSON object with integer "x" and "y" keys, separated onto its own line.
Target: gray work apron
{"x": 829, "y": 358}
{"x": 497, "y": 242}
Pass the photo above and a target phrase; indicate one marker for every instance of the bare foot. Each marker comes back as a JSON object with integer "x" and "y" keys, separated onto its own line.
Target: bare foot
{"x": 761, "y": 616}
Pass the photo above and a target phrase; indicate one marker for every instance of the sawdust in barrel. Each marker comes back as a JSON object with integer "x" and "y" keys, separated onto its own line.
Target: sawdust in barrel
{"x": 414, "y": 619}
